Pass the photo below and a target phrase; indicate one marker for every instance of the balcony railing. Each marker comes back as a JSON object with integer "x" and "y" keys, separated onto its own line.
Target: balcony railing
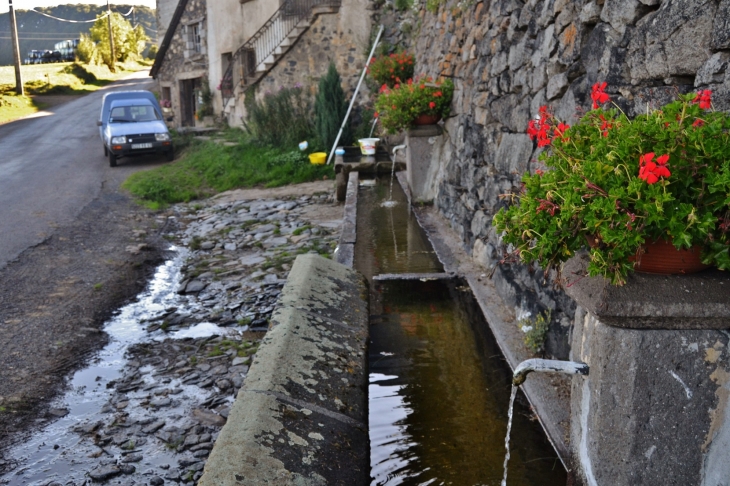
{"x": 263, "y": 44}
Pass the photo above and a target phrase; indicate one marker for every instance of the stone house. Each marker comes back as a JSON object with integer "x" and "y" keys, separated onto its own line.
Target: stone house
{"x": 181, "y": 65}
{"x": 238, "y": 46}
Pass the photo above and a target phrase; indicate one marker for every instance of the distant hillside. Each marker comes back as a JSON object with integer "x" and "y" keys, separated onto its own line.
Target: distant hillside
{"x": 36, "y": 31}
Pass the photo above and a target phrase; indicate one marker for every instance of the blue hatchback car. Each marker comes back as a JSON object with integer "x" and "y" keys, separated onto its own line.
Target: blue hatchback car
{"x": 131, "y": 124}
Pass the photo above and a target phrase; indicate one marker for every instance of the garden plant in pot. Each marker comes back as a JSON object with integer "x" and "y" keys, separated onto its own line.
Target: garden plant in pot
{"x": 391, "y": 69}
{"x": 622, "y": 186}
{"x": 399, "y": 107}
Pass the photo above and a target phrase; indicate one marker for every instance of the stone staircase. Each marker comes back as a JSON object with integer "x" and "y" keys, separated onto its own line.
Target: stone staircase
{"x": 257, "y": 56}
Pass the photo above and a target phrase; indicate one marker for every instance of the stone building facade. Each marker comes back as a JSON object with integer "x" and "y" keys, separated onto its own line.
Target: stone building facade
{"x": 181, "y": 67}
{"x": 341, "y": 35}
{"x": 509, "y": 57}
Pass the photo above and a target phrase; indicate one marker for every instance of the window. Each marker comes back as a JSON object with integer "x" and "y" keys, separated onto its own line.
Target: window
{"x": 194, "y": 37}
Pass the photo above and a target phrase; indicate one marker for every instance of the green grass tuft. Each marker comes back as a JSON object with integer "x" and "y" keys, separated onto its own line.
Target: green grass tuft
{"x": 207, "y": 168}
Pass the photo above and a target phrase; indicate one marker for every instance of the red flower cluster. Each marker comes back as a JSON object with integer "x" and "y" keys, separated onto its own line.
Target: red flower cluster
{"x": 539, "y": 128}
{"x": 651, "y": 171}
{"x": 598, "y": 95}
{"x": 704, "y": 99}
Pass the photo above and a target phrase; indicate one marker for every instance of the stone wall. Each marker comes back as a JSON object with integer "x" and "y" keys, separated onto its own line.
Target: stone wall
{"x": 509, "y": 57}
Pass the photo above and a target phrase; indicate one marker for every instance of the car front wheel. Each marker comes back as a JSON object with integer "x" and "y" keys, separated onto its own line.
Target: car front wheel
{"x": 170, "y": 155}
{"x": 112, "y": 160}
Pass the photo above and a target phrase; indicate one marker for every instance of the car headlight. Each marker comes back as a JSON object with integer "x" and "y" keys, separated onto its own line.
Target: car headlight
{"x": 116, "y": 140}
{"x": 162, "y": 137}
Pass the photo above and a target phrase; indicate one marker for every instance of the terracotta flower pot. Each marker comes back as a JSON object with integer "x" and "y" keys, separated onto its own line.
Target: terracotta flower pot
{"x": 662, "y": 257}
{"x": 426, "y": 120}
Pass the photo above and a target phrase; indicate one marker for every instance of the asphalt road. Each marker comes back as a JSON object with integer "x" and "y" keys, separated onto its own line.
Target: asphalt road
{"x": 52, "y": 165}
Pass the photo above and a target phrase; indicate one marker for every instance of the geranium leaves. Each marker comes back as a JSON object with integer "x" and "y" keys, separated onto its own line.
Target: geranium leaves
{"x": 620, "y": 182}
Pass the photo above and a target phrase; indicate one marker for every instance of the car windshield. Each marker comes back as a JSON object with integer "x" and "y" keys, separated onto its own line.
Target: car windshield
{"x": 135, "y": 113}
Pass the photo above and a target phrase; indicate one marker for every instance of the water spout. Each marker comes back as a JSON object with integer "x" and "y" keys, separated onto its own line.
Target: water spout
{"x": 547, "y": 366}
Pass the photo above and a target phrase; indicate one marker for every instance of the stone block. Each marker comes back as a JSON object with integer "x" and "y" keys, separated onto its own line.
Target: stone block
{"x": 557, "y": 86}
{"x": 721, "y": 27}
{"x": 591, "y": 13}
{"x": 652, "y": 409}
{"x": 696, "y": 301}
{"x": 622, "y": 13}
{"x": 513, "y": 154}
{"x": 423, "y": 155}
{"x": 713, "y": 71}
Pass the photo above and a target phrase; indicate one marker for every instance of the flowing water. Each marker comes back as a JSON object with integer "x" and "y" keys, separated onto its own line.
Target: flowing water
{"x": 55, "y": 451}
{"x": 439, "y": 387}
{"x": 510, "y": 413}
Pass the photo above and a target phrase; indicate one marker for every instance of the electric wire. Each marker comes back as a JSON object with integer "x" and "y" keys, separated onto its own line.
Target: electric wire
{"x": 79, "y": 21}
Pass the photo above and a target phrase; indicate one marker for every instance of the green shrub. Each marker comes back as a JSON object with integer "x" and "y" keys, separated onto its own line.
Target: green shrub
{"x": 330, "y": 108}
{"x": 281, "y": 119}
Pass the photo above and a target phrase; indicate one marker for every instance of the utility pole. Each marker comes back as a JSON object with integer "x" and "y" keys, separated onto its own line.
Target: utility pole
{"x": 112, "y": 68}
{"x": 16, "y": 51}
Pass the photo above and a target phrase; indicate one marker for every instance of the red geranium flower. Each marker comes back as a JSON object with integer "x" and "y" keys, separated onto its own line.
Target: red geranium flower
{"x": 560, "y": 131}
{"x": 432, "y": 105}
{"x": 651, "y": 171}
{"x": 698, "y": 123}
{"x": 704, "y": 99}
{"x": 598, "y": 95}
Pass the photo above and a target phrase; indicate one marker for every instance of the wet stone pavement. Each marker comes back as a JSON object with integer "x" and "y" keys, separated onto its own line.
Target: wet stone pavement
{"x": 155, "y": 421}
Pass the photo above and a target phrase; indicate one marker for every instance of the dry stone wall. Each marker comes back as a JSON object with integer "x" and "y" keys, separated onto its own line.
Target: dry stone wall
{"x": 509, "y": 57}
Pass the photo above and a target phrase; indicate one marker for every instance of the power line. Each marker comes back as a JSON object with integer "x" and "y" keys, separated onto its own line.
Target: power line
{"x": 80, "y": 21}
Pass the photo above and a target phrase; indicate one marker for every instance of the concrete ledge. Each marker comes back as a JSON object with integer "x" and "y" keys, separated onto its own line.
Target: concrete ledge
{"x": 696, "y": 301}
{"x": 301, "y": 416}
{"x": 346, "y": 248}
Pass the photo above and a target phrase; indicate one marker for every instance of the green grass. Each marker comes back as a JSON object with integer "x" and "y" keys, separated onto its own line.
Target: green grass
{"x": 207, "y": 168}
{"x": 53, "y": 79}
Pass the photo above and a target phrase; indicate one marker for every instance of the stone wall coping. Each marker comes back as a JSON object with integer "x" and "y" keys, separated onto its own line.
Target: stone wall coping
{"x": 301, "y": 416}
{"x": 697, "y": 301}
{"x": 424, "y": 131}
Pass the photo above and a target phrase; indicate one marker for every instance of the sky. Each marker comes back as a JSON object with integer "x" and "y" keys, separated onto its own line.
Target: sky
{"x": 28, "y": 4}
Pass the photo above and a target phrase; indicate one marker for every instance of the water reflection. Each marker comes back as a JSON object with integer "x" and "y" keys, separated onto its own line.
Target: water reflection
{"x": 439, "y": 395}
{"x": 389, "y": 239}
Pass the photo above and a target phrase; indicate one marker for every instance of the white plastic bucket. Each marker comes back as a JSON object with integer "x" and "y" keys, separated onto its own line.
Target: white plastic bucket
{"x": 367, "y": 145}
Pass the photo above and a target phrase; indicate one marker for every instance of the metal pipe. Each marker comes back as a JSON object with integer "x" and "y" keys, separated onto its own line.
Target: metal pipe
{"x": 547, "y": 366}
{"x": 357, "y": 88}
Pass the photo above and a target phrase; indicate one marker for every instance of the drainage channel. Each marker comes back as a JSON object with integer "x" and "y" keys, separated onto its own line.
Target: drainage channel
{"x": 439, "y": 387}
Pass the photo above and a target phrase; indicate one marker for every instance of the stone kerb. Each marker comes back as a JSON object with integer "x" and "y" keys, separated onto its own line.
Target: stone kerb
{"x": 423, "y": 153}
{"x": 301, "y": 415}
{"x": 654, "y": 409}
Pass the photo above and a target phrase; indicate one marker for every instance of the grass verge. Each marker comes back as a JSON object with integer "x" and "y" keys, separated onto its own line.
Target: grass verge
{"x": 54, "y": 79}
{"x": 207, "y": 168}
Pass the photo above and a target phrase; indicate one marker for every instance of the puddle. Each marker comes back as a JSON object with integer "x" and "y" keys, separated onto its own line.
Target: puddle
{"x": 56, "y": 452}
{"x": 439, "y": 392}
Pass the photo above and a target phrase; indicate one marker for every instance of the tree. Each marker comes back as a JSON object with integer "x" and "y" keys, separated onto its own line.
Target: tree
{"x": 128, "y": 42}
{"x": 330, "y": 108}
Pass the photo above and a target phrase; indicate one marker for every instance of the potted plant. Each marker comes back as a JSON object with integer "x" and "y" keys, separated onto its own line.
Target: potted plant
{"x": 617, "y": 185}
{"x": 398, "y": 108}
{"x": 391, "y": 69}
{"x": 166, "y": 105}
